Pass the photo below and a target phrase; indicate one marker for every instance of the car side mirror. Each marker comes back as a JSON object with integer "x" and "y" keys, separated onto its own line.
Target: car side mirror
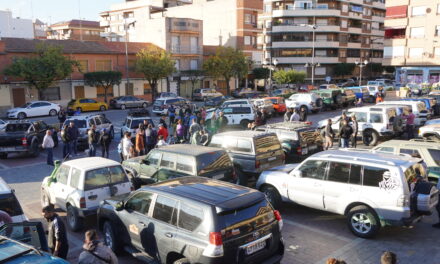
{"x": 297, "y": 174}
{"x": 119, "y": 206}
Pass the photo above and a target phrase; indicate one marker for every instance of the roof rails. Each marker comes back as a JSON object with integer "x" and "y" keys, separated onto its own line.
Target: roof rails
{"x": 363, "y": 158}
{"x": 423, "y": 140}
{"x": 139, "y": 113}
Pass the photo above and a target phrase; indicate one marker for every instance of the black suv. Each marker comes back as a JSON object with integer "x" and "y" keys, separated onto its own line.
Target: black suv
{"x": 194, "y": 220}
{"x": 298, "y": 139}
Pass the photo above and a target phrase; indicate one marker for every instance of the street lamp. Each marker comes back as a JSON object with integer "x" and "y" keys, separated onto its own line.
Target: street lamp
{"x": 272, "y": 64}
{"x": 361, "y": 64}
{"x": 312, "y": 64}
{"x": 127, "y": 24}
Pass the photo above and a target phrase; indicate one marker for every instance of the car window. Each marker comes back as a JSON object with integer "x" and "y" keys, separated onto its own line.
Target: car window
{"x": 231, "y": 143}
{"x": 190, "y": 217}
{"x": 227, "y": 111}
{"x": 435, "y": 155}
{"x": 44, "y": 104}
{"x": 376, "y": 118}
{"x": 355, "y": 174}
{"x": 386, "y": 149}
{"x": 96, "y": 179}
{"x": 339, "y": 172}
{"x": 154, "y": 157}
{"x": 10, "y": 204}
{"x": 63, "y": 174}
{"x": 91, "y": 122}
{"x": 35, "y": 105}
{"x": 412, "y": 152}
{"x": 314, "y": 169}
{"x": 373, "y": 176}
{"x": 74, "y": 178}
{"x": 92, "y": 101}
{"x": 216, "y": 142}
{"x": 241, "y": 110}
{"x": 97, "y": 121}
{"x": 82, "y": 101}
{"x": 168, "y": 161}
{"x": 213, "y": 161}
{"x": 267, "y": 144}
{"x": 140, "y": 202}
{"x": 244, "y": 145}
{"x": 165, "y": 209}
{"x": 185, "y": 163}
{"x": 117, "y": 175}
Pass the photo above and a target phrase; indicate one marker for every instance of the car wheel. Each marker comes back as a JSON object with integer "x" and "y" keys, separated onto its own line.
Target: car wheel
{"x": 144, "y": 105}
{"x": 244, "y": 123}
{"x": 303, "y": 107}
{"x": 182, "y": 261}
{"x": 102, "y": 108}
{"x": 272, "y": 195}
{"x": 363, "y": 222}
{"x": 123, "y": 107}
{"x": 35, "y": 149}
{"x": 73, "y": 220}
{"x": 21, "y": 115}
{"x": 3, "y": 155}
{"x": 44, "y": 198}
{"x": 370, "y": 137}
{"x": 53, "y": 112}
{"x": 109, "y": 236}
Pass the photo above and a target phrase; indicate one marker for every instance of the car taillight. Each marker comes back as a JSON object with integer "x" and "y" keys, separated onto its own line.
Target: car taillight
{"x": 215, "y": 246}
{"x": 309, "y": 123}
{"x": 24, "y": 141}
{"x": 257, "y": 164}
{"x": 277, "y": 215}
{"x": 82, "y": 202}
{"x": 299, "y": 150}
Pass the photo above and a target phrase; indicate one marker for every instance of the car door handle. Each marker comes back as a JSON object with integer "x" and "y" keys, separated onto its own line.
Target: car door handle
{"x": 168, "y": 235}
{"x": 142, "y": 223}
{"x": 93, "y": 197}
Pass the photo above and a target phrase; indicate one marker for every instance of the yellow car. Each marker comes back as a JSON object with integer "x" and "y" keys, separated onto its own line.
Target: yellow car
{"x": 84, "y": 104}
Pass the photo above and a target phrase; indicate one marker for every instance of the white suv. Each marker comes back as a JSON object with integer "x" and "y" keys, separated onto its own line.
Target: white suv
{"x": 309, "y": 101}
{"x": 418, "y": 109}
{"x": 371, "y": 189}
{"x": 236, "y": 114}
{"x": 78, "y": 186}
{"x": 431, "y": 132}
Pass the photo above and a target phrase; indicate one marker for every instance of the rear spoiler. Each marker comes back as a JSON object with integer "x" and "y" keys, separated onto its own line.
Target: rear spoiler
{"x": 240, "y": 203}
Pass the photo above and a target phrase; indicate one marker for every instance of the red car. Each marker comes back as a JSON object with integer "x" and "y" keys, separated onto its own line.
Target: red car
{"x": 278, "y": 104}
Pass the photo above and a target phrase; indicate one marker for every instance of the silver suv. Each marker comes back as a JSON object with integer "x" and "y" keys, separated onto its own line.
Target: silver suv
{"x": 372, "y": 190}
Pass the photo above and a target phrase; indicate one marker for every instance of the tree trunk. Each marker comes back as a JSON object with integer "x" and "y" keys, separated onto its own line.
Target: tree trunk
{"x": 228, "y": 87}
{"x": 105, "y": 93}
{"x": 153, "y": 85}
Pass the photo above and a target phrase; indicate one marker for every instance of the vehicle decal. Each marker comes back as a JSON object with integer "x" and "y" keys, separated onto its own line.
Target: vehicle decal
{"x": 133, "y": 229}
{"x": 388, "y": 183}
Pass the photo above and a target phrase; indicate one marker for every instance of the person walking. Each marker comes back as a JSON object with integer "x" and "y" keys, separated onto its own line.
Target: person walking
{"x": 150, "y": 138}
{"x": 355, "y": 127}
{"x": 222, "y": 122}
{"x": 57, "y": 235}
{"x": 92, "y": 140}
{"x": 345, "y": 133}
{"x": 203, "y": 113}
{"x": 74, "y": 134}
{"x": 171, "y": 114}
{"x": 140, "y": 143}
{"x": 410, "y": 124}
{"x": 95, "y": 252}
{"x": 66, "y": 142}
{"x": 288, "y": 114}
{"x": 329, "y": 135}
{"x": 295, "y": 116}
{"x": 302, "y": 114}
{"x": 48, "y": 145}
{"x": 105, "y": 141}
{"x": 127, "y": 146}
{"x": 194, "y": 128}
{"x": 62, "y": 116}
{"x": 180, "y": 131}
{"x": 344, "y": 117}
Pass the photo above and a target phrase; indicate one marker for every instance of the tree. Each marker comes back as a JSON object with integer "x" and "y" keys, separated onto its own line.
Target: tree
{"x": 194, "y": 76}
{"x": 288, "y": 77}
{"x": 155, "y": 64}
{"x": 105, "y": 79}
{"x": 47, "y": 65}
{"x": 261, "y": 73}
{"x": 226, "y": 63}
{"x": 343, "y": 69}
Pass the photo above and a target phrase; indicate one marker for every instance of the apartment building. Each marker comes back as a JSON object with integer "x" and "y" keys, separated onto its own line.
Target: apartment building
{"x": 83, "y": 30}
{"x": 40, "y": 29}
{"x": 412, "y": 40}
{"x": 15, "y": 27}
{"x": 305, "y": 35}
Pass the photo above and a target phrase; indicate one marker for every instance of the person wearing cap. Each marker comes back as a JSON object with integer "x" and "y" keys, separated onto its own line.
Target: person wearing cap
{"x": 57, "y": 235}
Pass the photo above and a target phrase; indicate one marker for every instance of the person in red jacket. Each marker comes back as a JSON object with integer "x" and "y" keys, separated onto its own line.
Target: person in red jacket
{"x": 162, "y": 132}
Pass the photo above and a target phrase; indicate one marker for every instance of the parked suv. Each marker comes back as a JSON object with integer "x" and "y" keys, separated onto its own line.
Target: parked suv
{"x": 10, "y": 204}
{"x": 192, "y": 160}
{"x": 194, "y": 220}
{"x": 372, "y": 190}
{"x": 236, "y": 102}
{"x": 418, "y": 109}
{"x": 428, "y": 150}
{"x": 133, "y": 119}
{"x": 237, "y": 115}
{"x": 298, "y": 139}
{"x": 203, "y": 94}
{"x": 161, "y": 105}
{"x": 250, "y": 151}
{"x": 310, "y": 102}
{"x": 85, "y": 122}
{"x": 77, "y": 186}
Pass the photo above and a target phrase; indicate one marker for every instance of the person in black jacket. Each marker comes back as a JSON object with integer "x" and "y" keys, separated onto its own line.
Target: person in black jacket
{"x": 345, "y": 133}
{"x": 61, "y": 116}
{"x": 355, "y": 126}
{"x": 105, "y": 141}
{"x": 65, "y": 137}
{"x": 302, "y": 114}
{"x": 74, "y": 134}
{"x": 57, "y": 235}
{"x": 93, "y": 139}
{"x": 329, "y": 135}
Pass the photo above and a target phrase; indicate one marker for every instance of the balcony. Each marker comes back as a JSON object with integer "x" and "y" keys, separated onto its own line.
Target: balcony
{"x": 292, "y": 28}
{"x": 307, "y": 13}
{"x": 304, "y": 60}
{"x": 179, "y": 50}
{"x": 379, "y": 19}
{"x": 354, "y": 30}
{"x": 305, "y": 44}
{"x": 104, "y": 23}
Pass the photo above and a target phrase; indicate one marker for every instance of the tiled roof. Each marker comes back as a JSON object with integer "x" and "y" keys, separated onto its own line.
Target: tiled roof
{"x": 76, "y": 23}
{"x": 20, "y": 45}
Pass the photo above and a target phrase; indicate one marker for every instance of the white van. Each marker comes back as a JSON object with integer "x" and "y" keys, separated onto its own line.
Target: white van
{"x": 418, "y": 109}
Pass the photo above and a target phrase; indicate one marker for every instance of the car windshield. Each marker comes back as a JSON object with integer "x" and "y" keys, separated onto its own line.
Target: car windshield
{"x": 159, "y": 102}
{"x": 356, "y": 90}
{"x": 25, "y": 105}
{"x": 213, "y": 161}
{"x": 17, "y": 127}
{"x": 101, "y": 177}
{"x": 78, "y": 123}
{"x": 432, "y": 122}
{"x": 135, "y": 122}
{"x": 435, "y": 154}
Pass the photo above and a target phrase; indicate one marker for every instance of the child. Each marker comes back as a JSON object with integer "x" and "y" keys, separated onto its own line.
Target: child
{"x": 161, "y": 142}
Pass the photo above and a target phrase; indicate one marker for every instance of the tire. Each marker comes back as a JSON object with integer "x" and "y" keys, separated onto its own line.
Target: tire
{"x": 319, "y": 102}
{"x": 370, "y": 137}
{"x": 244, "y": 123}
{"x": 102, "y": 108}
{"x": 182, "y": 261}
{"x": 363, "y": 222}
{"x": 109, "y": 236}
{"x": 73, "y": 220}
{"x": 304, "y": 107}
{"x": 21, "y": 115}
{"x": 53, "y": 112}
{"x": 35, "y": 149}
{"x": 123, "y": 107}
{"x": 44, "y": 199}
{"x": 144, "y": 105}
{"x": 272, "y": 195}
{"x": 3, "y": 155}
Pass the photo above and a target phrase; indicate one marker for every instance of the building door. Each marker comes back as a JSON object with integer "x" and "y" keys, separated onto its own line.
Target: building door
{"x": 18, "y": 97}
{"x": 129, "y": 89}
{"x": 79, "y": 92}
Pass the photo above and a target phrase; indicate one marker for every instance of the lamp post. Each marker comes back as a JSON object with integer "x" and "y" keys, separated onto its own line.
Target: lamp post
{"x": 361, "y": 64}
{"x": 127, "y": 24}
{"x": 312, "y": 64}
{"x": 272, "y": 64}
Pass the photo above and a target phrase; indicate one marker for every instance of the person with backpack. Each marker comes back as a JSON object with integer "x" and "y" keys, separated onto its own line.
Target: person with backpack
{"x": 96, "y": 252}
{"x": 93, "y": 138}
{"x": 105, "y": 141}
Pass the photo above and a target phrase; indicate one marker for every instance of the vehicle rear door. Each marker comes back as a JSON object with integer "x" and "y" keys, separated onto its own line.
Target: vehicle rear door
{"x": 342, "y": 185}
{"x": 268, "y": 151}
{"x": 59, "y": 188}
{"x": 229, "y": 114}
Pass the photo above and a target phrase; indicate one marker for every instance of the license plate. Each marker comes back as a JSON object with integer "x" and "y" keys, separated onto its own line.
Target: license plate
{"x": 217, "y": 177}
{"x": 255, "y": 247}
{"x": 7, "y": 149}
{"x": 313, "y": 147}
{"x": 272, "y": 158}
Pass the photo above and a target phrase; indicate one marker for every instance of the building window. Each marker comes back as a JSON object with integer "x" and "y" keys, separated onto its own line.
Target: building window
{"x": 131, "y": 65}
{"x": 50, "y": 94}
{"x": 103, "y": 65}
{"x": 418, "y": 11}
{"x": 247, "y": 18}
{"x": 438, "y": 9}
{"x": 147, "y": 88}
{"x": 194, "y": 65}
{"x": 247, "y": 40}
{"x": 83, "y": 65}
{"x": 320, "y": 70}
{"x": 194, "y": 44}
{"x": 395, "y": 33}
{"x": 417, "y": 32}
{"x": 437, "y": 52}
{"x": 342, "y": 54}
{"x": 394, "y": 52}
{"x": 415, "y": 52}
{"x": 175, "y": 43}
{"x": 268, "y": 8}
{"x": 100, "y": 91}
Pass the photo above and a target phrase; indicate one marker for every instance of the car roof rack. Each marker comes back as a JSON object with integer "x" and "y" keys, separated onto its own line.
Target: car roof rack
{"x": 139, "y": 113}
{"x": 423, "y": 140}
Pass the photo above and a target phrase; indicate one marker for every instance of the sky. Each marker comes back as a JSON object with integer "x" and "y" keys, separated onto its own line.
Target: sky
{"x": 52, "y": 11}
